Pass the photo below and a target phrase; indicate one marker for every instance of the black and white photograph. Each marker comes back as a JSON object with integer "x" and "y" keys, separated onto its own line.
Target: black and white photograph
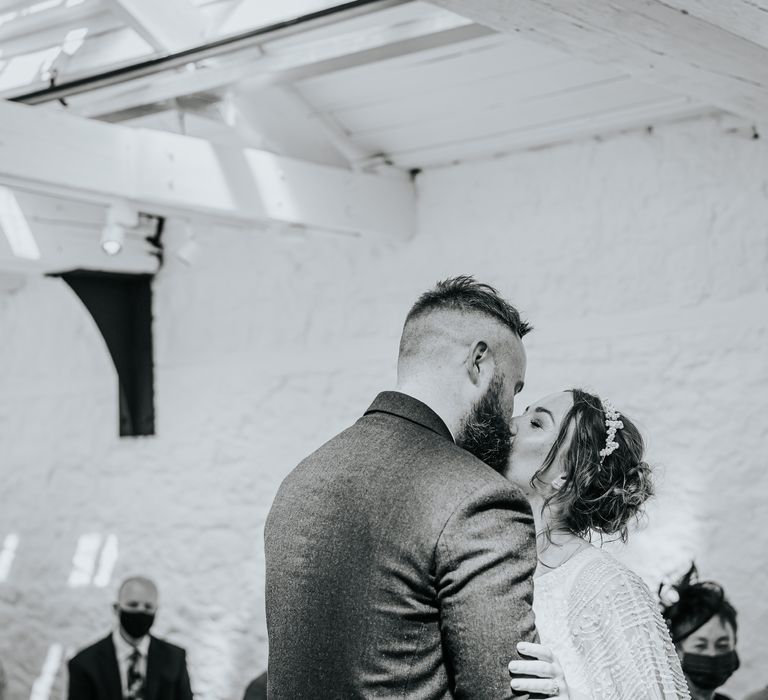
{"x": 384, "y": 349}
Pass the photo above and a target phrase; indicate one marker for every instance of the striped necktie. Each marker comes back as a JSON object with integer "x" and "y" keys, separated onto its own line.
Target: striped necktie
{"x": 135, "y": 677}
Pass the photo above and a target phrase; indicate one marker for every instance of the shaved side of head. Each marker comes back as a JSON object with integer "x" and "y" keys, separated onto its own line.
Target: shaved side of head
{"x": 443, "y": 337}
{"x": 452, "y": 315}
{"x": 462, "y": 355}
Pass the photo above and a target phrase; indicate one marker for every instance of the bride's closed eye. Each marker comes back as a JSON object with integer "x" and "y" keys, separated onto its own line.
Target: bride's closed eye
{"x": 536, "y": 423}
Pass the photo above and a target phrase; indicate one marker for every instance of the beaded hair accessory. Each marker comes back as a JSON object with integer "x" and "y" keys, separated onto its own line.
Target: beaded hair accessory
{"x": 612, "y": 424}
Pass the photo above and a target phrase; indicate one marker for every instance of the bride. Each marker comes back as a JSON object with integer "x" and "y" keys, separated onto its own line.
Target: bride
{"x": 581, "y": 465}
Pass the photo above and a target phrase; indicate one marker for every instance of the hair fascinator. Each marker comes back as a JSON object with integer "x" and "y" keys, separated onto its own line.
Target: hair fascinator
{"x": 689, "y": 603}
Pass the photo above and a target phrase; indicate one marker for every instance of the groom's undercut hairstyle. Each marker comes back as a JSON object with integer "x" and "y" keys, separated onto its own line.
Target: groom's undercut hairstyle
{"x": 465, "y": 294}
{"x": 458, "y": 295}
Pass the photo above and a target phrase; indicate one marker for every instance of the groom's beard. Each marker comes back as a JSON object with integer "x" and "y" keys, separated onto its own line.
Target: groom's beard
{"x": 485, "y": 432}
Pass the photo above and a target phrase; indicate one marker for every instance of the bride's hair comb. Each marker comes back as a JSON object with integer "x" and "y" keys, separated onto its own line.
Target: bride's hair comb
{"x": 612, "y": 424}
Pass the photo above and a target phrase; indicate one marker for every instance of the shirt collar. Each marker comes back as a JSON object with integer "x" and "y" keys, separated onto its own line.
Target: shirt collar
{"x": 124, "y": 649}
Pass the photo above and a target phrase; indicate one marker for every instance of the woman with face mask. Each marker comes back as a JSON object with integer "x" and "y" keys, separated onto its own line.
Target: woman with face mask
{"x": 703, "y": 627}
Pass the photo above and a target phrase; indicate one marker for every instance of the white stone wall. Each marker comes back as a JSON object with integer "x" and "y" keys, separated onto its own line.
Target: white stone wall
{"x": 642, "y": 260}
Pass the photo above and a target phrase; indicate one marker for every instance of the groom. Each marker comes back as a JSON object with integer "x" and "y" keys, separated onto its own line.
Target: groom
{"x": 400, "y": 565}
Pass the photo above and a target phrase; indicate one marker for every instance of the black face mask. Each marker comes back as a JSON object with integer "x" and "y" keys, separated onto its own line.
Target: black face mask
{"x": 710, "y": 672}
{"x": 136, "y": 624}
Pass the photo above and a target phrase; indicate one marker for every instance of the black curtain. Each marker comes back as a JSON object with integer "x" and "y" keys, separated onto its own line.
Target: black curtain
{"x": 121, "y": 305}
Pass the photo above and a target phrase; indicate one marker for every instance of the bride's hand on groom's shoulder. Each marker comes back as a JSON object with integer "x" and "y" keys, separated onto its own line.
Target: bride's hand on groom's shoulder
{"x": 540, "y": 673}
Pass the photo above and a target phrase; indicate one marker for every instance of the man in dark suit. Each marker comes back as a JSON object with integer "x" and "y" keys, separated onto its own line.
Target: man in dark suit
{"x": 130, "y": 664}
{"x": 398, "y": 564}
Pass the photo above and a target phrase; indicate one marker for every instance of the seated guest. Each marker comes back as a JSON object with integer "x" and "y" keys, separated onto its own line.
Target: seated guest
{"x": 129, "y": 663}
{"x": 703, "y": 627}
{"x": 257, "y": 688}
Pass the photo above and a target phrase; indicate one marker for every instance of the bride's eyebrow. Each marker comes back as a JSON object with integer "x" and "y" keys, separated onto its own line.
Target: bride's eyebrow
{"x": 541, "y": 409}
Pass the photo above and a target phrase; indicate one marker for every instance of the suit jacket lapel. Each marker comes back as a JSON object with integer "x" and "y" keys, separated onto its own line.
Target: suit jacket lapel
{"x": 110, "y": 671}
{"x": 154, "y": 662}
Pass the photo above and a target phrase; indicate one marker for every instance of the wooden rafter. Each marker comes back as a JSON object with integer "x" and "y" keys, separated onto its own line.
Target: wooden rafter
{"x": 167, "y": 26}
{"x": 168, "y": 174}
{"x": 697, "y": 55}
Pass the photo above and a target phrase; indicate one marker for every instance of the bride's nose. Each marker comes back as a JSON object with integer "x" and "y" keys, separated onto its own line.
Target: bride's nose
{"x": 513, "y": 427}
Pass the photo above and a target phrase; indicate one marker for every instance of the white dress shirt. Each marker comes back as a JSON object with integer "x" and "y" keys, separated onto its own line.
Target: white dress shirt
{"x": 124, "y": 651}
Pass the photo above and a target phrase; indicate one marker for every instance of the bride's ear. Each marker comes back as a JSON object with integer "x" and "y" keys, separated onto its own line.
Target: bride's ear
{"x": 558, "y": 482}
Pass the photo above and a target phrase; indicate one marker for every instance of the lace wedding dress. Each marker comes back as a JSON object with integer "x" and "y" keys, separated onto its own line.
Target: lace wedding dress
{"x": 604, "y": 627}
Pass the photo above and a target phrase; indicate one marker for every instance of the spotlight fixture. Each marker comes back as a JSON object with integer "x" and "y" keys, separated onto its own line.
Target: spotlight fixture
{"x": 120, "y": 216}
{"x": 112, "y": 237}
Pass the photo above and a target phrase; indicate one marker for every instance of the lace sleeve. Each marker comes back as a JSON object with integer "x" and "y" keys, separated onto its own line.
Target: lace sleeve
{"x": 621, "y": 636}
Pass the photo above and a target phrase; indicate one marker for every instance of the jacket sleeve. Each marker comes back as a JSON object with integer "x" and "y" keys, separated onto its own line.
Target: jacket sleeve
{"x": 80, "y": 686}
{"x": 619, "y": 633}
{"x": 484, "y": 563}
{"x": 183, "y": 688}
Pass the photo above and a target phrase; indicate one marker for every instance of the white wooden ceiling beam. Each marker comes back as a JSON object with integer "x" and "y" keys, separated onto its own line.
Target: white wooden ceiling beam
{"x": 64, "y": 234}
{"x": 105, "y": 44}
{"x": 166, "y": 25}
{"x": 169, "y": 174}
{"x": 70, "y": 248}
{"x": 24, "y": 23}
{"x": 253, "y": 15}
{"x": 253, "y": 73}
{"x": 744, "y": 18}
{"x": 649, "y": 39}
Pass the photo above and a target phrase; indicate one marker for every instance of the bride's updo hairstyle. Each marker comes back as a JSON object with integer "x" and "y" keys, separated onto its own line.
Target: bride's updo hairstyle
{"x": 597, "y": 497}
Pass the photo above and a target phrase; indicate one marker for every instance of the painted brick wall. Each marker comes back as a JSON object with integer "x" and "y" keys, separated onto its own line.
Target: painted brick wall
{"x": 642, "y": 260}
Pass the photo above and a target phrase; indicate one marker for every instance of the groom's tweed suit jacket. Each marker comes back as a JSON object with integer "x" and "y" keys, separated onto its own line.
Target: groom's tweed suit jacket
{"x": 397, "y": 566}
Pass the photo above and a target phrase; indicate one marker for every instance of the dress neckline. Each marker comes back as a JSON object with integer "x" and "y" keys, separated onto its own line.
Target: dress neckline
{"x": 567, "y": 564}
